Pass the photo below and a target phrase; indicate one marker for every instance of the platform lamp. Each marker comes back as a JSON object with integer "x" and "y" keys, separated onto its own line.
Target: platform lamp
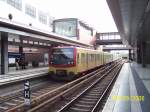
{"x": 10, "y": 16}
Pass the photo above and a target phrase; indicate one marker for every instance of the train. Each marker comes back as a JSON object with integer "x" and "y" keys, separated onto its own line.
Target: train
{"x": 67, "y": 63}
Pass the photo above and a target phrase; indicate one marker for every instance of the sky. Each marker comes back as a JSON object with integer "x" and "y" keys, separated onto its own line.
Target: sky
{"x": 93, "y": 12}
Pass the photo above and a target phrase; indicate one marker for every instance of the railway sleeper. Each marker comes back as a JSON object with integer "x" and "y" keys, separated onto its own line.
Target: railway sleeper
{"x": 95, "y": 93}
{"x": 3, "y": 107}
{"x": 86, "y": 102}
{"x": 88, "y": 99}
{"x": 18, "y": 101}
{"x": 36, "y": 94}
{"x": 95, "y": 90}
{"x": 91, "y": 97}
{"x": 21, "y": 98}
{"x": 41, "y": 92}
{"x": 33, "y": 96}
{"x": 91, "y": 94}
{"x": 75, "y": 109}
{"x": 10, "y": 103}
{"x": 83, "y": 105}
{"x": 98, "y": 88}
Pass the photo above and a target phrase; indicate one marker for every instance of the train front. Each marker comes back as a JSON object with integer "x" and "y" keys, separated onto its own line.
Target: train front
{"x": 63, "y": 63}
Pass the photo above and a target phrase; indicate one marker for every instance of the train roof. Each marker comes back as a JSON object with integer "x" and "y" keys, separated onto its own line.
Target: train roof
{"x": 75, "y": 47}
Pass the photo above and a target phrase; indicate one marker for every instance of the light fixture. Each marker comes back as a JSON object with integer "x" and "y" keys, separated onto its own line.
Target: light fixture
{"x": 10, "y": 16}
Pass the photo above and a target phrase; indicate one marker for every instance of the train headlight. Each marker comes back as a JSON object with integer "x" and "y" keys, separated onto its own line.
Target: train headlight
{"x": 70, "y": 62}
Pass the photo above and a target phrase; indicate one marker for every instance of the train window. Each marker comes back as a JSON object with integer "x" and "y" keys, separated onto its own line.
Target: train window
{"x": 82, "y": 58}
{"x": 86, "y": 58}
{"x": 100, "y": 57}
{"x": 89, "y": 57}
{"x": 97, "y": 57}
{"x": 78, "y": 58}
{"x": 92, "y": 57}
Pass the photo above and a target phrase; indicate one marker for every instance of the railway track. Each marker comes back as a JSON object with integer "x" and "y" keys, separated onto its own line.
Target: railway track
{"x": 52, "y": 92}
{"x": 88, "y": 100}
{"x": 54, "y": 104}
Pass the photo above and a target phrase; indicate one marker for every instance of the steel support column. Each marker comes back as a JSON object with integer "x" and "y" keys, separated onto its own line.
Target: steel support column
{"x": 130, "y": 55}
{"x": 138, "y": 53}
{"x": 4, "y": 53}
{"x": 21, "y": 48}
{"x": 143, "y": 53}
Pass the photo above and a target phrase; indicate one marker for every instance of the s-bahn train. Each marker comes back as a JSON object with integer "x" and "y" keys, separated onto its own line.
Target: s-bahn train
{"x": 68, "y": 63}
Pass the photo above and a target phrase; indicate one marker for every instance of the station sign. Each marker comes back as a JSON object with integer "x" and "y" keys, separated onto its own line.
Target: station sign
{"x": 27, "y": 93}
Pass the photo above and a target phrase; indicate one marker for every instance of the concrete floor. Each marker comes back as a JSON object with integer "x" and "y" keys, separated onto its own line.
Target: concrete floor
{"x": 131, "y": 92}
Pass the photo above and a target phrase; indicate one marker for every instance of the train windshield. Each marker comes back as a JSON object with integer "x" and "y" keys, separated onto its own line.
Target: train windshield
{"x": 62, "y": 56}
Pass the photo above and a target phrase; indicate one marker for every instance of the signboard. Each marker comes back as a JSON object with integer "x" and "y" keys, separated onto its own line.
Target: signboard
{"x": 27, "y": 93}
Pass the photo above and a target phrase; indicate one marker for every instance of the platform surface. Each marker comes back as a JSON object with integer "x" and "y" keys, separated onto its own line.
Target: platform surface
{"x": 22, "y": 75}
{"x": 131, "y": 92}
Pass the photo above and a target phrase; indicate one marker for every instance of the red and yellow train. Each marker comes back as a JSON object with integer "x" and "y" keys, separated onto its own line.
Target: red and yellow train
{"x": 70, "y": 62}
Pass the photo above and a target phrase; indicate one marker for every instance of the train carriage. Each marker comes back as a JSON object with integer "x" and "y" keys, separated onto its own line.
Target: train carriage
{"x": 70, "y": 62}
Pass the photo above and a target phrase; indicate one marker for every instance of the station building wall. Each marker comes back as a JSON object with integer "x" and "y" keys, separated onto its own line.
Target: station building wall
{"x": 20, "y": 16}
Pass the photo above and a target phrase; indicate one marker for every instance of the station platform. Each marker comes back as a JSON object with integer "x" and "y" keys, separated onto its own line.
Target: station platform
{"x": 22, "y": 75}
{"x": 131, "y": 91}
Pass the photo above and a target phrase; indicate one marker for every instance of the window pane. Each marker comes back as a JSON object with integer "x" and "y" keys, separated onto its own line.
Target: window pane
{"x": 42, "y": 17}
{"x": 66, "y": 28}
{"x": 15, "y": 3}
{"x": 30, "y": 10}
